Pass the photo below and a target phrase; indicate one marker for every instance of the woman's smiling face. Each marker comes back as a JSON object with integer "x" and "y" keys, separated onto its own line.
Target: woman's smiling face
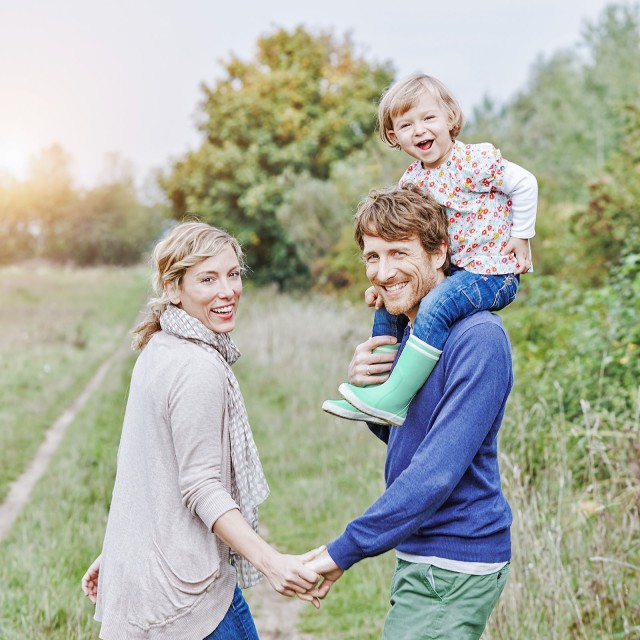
{"x": 210, "y": 291}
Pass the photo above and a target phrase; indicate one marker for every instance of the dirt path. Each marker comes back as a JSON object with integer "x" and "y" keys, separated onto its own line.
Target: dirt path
{"x": 20, "y": 490}
{"x": 276, "y": 617}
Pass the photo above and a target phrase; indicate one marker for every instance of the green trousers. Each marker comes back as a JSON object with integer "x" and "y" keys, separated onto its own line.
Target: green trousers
{"x": 428, "y": 603}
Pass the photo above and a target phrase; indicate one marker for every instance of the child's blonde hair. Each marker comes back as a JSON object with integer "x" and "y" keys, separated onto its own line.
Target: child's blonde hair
{"x": 187, "y": 244}
{"x": 404, "y": 94}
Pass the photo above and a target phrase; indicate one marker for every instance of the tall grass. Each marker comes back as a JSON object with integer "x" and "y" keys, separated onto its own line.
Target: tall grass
{"x": 58, "y": 325}
{"x": 61, "y": 530}
{"x": 576, "y": 544}
{"x": 322, "y": 470}
{"x": 571, "y": 478}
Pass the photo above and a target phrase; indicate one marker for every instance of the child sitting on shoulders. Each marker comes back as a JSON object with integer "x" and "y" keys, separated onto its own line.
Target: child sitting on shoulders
{"x": 491, "y": 205}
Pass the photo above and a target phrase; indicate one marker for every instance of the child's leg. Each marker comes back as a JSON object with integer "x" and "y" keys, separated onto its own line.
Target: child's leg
{"x": 461, "y": 294}
{"x": 343, "y": 409}
{"x": 386, "y": 324}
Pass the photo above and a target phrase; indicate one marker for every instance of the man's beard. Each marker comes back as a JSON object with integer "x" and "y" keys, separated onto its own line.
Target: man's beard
{"x": 412, "y": 301}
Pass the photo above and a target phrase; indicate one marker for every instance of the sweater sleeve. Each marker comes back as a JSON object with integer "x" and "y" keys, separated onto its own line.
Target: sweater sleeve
{"x": 522, "y": 188}
{"x": 196, "y": 415}
{"x": 477, "y": 381}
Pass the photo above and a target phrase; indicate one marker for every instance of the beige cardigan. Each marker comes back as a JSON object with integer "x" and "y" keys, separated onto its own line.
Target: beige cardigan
{"x": 164, "y": 574}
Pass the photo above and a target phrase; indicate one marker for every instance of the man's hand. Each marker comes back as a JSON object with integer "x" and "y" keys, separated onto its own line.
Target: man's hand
{"x": 90, "y": 580}
{"x": 520, "y": 248}
{"x": 328, "y": 569}
{"x": 365, "y": 366}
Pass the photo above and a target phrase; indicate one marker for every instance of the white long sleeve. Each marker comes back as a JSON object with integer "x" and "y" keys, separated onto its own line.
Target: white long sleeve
{"x": 522, "y": 187}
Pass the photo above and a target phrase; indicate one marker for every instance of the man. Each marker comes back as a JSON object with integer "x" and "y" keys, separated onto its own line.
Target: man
{"x": 443, "y": 509}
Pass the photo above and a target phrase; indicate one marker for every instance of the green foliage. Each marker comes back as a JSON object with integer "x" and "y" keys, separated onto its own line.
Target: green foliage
{"x": 607, "y": 229}
{"x": 573, "y": 126}
{"x": 328, "y": 213}
{"x": 108, "y": 225}
{"x": 578, "y": 351}
{"x": 304, "y": 102}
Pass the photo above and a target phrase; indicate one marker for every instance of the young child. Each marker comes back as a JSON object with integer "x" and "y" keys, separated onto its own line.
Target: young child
{"x": 491, "y": 204}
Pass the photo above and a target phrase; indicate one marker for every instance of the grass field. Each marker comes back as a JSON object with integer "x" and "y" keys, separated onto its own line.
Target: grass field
{"x": 576, "y": 532}
{"x": 58, "y": 325}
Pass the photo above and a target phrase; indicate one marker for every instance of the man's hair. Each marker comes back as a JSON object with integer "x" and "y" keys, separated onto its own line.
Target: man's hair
{"x": 400, "y": 213}
{"x": 404, "y": 95}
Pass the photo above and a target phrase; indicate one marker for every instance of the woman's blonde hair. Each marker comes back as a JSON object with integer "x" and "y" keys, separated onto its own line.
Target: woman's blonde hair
{"x": 186, "y": 245}
{"x": 404, "y": 94}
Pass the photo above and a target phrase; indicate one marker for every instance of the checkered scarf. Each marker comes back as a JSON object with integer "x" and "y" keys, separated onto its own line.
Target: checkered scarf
{"x": 248, "y": 484}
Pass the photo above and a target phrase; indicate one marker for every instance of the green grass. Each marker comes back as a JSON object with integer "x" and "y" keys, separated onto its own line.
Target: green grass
{"x": 58, "y": 325}
{"x": 571, "y": 477}
{"x": 61, "y": 530}
{"x": 322, "y": 470}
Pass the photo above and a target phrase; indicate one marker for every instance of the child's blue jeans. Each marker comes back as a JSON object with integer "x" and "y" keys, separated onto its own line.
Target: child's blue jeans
{"x": 461, "y": 294}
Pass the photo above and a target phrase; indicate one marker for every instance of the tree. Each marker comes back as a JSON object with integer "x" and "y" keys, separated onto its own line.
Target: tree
{"x": 46, "y": 217}
{"x": 304, "y": 102}
{"x": 607, "y": 229}
{"x": 51, "y": 196}
{"x": 111, "y": 226}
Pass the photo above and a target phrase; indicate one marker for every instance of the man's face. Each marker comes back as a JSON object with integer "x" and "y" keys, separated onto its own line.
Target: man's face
{"x": 402, "y": 272}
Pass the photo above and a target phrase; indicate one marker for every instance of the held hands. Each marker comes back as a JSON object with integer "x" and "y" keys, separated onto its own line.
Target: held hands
{"x": 520, "y": 248}
{"x": 324, "y": 565}
{"x": 90, "y": 580}
{"x": 309, "y": 576}
{"x": 290, "y": 575}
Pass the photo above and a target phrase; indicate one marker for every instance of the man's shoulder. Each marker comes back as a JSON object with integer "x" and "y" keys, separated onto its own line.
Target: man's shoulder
{"x": 482, "y": 325}
{"x": 478, "y": 344}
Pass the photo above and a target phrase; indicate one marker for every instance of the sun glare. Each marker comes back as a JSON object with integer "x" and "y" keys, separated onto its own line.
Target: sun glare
{"x": 14, "y": 157}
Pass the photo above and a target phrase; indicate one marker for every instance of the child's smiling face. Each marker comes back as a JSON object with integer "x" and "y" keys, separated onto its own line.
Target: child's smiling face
{"x": 423, "y": 131}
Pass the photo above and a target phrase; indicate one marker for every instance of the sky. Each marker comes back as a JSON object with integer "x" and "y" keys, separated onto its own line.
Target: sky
{"x": 125, "y": 76}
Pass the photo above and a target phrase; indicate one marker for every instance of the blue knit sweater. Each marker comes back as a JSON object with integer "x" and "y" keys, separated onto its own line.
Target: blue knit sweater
{"x": 443, "y": 495}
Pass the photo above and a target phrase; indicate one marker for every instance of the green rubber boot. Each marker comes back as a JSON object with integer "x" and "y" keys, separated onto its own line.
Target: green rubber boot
{"x": 390, "y": 401}
{"x": 345, "y": 410}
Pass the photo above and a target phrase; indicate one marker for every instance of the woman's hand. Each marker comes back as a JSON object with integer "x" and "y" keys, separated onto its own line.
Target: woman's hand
{"x": 90, "y": 580}
{"x": 289, "y": 576}
{"x": 286, "y": 574}
{"x": 365, "y": 367}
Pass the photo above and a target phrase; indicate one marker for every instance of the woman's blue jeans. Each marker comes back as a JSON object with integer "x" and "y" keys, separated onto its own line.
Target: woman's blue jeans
{"x": 461, "y": 294}
{"x": 237, "y": 623}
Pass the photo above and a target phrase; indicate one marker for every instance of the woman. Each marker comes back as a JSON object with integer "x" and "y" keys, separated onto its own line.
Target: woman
{"x": 182, "y": 525}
